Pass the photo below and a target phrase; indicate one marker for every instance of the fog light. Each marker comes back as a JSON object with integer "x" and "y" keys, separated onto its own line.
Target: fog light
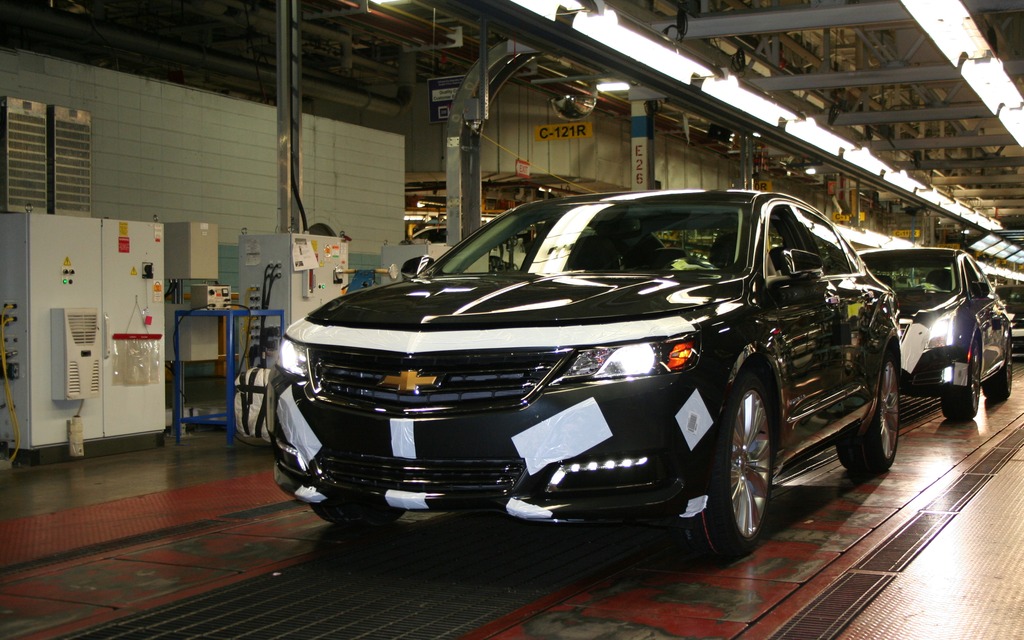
{"x": 290, "y": 456}
{"x": 596, "y": 474}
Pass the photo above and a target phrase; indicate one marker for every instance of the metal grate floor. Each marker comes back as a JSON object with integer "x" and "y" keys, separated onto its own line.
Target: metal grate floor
{"x": 435, "y": 579}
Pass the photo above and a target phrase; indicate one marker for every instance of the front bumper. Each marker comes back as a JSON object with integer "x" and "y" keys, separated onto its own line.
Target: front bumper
{"x": 937, "y": 370}
{"x": 583, "y": 452}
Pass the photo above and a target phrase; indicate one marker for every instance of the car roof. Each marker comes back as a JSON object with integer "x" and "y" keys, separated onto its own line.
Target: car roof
{"x": 689, "y": 196}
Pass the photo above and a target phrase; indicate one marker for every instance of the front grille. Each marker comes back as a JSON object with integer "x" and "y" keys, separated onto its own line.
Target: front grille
{"x": 443, "y": 382}
{"x": 480, "y": 478}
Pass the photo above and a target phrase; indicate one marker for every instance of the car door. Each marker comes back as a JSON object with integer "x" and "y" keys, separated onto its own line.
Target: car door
{"x": 855, "y": 301}
{"x": 987, "y": 313}
{"x": 803, "y": 318}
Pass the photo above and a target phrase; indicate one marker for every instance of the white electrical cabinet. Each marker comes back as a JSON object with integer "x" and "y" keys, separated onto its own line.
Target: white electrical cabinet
{"x": 83, "y": 292}
{"x": 295, "y": 272}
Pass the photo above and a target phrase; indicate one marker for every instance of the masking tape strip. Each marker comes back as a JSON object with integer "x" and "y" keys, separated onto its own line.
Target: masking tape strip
{"x": 403, "y": 440}
{"x": 915, "y": 341}
{"x": 527, "y": 511}
{"x": 564, "y": 435}
{"x": 524, "y": 337}
{"x": 406, "y": 500}
{"x": 694, "y": 419}
{"x": 296, "y": 430}
{"x": 309, "y": 494}
{"x": 695, "y": 506}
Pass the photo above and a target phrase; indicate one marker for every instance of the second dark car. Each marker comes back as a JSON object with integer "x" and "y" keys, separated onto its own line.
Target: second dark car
{"x": 955, "y": 332}
{"x": 657, "y": 356}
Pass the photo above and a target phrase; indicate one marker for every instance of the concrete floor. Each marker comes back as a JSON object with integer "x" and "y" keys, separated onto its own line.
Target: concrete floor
{"x": 931, "y": 549}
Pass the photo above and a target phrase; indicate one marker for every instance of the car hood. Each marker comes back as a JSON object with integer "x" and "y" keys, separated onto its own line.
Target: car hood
{"x": 926, "y": 307}
{"x": 490, "y": 301}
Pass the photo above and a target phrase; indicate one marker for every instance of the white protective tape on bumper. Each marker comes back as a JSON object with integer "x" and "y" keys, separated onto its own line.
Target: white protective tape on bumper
{"x": 527, "y": 511}
{"x": 406, "y": 500}
{"x": 915, "y": 341}
{"x": 309, "y": 494}
{"x": 693, "y": 419}
{"x": 695, "y": 506}
{"x": 564, "y": 435}
{"x": 296, "y": 429}
{"x": 403, "y": 441}
{"x": 961, "y": 374}
{"x": 428, "y": 341}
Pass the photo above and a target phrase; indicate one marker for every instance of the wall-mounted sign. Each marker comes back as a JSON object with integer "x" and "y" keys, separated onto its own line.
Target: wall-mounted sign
{"x": 441, "y": 92}
{"x": 565, "y": 131}
{"x": 905, "y": 233}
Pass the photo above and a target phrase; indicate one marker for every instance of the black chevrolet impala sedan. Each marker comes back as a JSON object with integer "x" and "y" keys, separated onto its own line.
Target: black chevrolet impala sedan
{"x": 657, "y": 356}
{"x": 956, "y": 335}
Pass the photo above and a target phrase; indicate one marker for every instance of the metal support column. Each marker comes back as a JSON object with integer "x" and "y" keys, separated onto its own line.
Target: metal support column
{"x": 746, "y": 161}
{"x": 465, "y": 125}
{"x": 289, "y": 116}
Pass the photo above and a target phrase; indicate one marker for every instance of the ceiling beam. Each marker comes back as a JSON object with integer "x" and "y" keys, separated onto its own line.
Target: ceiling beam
{"x": 1006, "y": 178}
{"x": 950, "y": 142}
{"x": 803, "y": 18}
{"x": 871, "y": 77}
{"x": 893, "y": 116}
{"x": 986, "y": 193}
{"x": 944, "y": 164}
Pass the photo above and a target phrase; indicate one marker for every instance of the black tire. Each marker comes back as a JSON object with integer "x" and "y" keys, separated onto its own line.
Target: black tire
{"x": 356, "y": 514}
{"x": 740, "y": 486}
{"x": 998, "y": 387}
{"x": 875, "y": 451}
{"x": 961, "y": 403}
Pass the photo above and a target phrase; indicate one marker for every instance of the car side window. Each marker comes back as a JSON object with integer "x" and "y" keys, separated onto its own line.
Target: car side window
{"x": 977, "y": 283}
{"x": 834, "y": 258}
{"x": 784, "y": 232}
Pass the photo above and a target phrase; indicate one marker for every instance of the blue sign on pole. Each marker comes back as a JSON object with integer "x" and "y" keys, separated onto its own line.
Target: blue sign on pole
{"x": 441, "y": 93}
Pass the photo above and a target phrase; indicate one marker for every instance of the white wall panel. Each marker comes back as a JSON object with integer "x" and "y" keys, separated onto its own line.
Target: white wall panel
{"x": 165, "y": 150}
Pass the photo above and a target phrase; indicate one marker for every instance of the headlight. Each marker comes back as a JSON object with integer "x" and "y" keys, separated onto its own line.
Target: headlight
{"x": 640, "y": 359}
{"x": 293, "y": 358}
{"x": 941, "y": 334}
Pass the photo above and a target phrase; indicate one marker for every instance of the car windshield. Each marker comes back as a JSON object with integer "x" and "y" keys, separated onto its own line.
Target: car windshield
{"x": 1014, "y": 295}
{"x": 610, "y": 235}
{"x": 920, "y": 273}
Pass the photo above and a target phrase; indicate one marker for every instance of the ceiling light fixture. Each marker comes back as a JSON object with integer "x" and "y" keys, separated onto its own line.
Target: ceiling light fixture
{"x": 606, "y": 29}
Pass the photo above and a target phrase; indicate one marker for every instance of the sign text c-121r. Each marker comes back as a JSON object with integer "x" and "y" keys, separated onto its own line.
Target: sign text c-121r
{"x": 569, "y": 131}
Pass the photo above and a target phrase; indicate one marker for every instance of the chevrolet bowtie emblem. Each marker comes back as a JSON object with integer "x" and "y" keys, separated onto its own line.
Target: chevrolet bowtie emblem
{"x": 408, "y": 381}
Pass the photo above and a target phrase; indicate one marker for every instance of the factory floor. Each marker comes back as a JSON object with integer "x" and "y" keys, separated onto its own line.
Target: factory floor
{"x": 194, "y": 540}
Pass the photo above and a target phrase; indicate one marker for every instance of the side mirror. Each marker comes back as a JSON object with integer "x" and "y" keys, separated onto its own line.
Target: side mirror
{"x": 796, "y": 263}
{"x": 414, "y": 266}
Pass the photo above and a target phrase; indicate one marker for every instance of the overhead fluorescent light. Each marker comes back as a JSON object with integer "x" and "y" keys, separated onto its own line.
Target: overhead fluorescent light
{"x": 549, "y": 8}
{"x": 863, "y": 158}
{"x": 1013, "y": 120}
{"x": 606, "y": 29}
{"x": 950, "y": 27}
{"x": 903, "y": 181}
{"x": 989, "y": 80}
{"x": 612, "y": 86}
{"x": 728, "y": 90}
{"x": 811, "y": 133}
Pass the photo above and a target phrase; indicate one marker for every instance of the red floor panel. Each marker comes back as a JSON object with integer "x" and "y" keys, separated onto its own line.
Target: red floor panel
{"x": 821, "y": 525}
{"x": 40, "y": 536}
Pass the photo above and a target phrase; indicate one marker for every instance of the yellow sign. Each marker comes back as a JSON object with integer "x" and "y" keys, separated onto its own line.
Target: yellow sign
{"x": 905, "y": 233}
{"x": 67, "y": 261}
{"x": 840, "y": 217}
{"x": 763, "y": 185}
{"x": 122, "y": 228}
{"x": 567, "y": 131}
